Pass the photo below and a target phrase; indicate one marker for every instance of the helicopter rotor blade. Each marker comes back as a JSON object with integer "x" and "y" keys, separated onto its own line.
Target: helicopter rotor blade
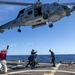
{"x": 15, "y": 3}
{"x": 69, "y": 3}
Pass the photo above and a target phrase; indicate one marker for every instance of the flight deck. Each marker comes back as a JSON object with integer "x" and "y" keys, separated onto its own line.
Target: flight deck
{"x": 18, "y": 68}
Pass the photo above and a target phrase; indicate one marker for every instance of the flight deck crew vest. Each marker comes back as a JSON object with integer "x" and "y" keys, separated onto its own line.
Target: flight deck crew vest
{"x": 3, "y": 55}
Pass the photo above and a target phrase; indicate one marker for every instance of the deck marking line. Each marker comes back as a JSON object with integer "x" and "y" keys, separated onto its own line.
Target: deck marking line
{"x": 39, "y": 71}
{"x": 54, "y": 70}
{"x": 66, "y": 71}
{"x": 26, "y": 71}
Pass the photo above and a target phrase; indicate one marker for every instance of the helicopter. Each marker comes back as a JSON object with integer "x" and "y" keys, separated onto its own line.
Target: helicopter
{"x": 38, "y": 14}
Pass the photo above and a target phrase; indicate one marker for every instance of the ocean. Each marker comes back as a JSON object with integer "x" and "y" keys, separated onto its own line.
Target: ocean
{"x": 44, "y": 58}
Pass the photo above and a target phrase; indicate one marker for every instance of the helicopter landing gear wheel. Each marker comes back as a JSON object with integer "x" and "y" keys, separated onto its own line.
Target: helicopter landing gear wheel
{"x": 45, "y": 16}
{"x": 51, "y": 25}
{"x": 19, "y": 30}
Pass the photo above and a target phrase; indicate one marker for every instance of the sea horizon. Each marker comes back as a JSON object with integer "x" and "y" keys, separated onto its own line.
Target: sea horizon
{"x": 44, "y": 58}
{"x": 42, "y": 54}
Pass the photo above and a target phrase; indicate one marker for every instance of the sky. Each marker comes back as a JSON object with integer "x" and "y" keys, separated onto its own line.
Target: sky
{"x": 60, "y": 38}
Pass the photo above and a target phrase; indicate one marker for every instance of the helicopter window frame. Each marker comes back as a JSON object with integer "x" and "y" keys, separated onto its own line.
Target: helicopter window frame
{"x": 30, "y": 12}
{"x": 20, "y": 12}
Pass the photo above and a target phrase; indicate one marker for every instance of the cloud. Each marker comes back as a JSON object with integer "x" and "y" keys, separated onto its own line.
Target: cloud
{"x": 10, "y": 45}
{"x": 30, "y": 43}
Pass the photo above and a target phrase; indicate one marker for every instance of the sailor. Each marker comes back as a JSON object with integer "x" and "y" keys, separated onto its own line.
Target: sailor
{"x": 3, "y": 54}
{"x": 32, "y": 59}
{"x": 52, "y": 57}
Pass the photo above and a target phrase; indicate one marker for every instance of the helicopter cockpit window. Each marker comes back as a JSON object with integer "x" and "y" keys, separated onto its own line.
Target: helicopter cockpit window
{"x": 29, "y": 12}
{"x": 65, "y": 7}
{"x": 21, "y": 12}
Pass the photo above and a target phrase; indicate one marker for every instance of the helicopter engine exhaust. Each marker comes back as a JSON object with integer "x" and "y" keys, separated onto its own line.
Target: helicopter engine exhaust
{"x": 38, "y": 25}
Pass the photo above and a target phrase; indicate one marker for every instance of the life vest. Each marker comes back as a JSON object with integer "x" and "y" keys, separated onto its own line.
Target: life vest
{"x": 3, "y": 55}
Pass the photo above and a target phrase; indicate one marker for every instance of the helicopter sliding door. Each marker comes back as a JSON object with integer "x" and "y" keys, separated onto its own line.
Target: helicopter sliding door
{"x": 38, "y": 10}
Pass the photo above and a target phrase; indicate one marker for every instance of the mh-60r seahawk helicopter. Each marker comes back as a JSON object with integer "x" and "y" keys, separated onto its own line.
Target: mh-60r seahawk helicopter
{"x": 38, "y": 14}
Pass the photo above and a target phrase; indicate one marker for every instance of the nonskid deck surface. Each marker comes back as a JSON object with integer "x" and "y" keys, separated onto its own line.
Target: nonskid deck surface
{"x": 41, "y": 69}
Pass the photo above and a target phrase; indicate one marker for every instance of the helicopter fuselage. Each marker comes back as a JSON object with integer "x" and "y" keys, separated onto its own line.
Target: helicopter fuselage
{"x": 45, "y": 12}
{"x": 38, "y": 14}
